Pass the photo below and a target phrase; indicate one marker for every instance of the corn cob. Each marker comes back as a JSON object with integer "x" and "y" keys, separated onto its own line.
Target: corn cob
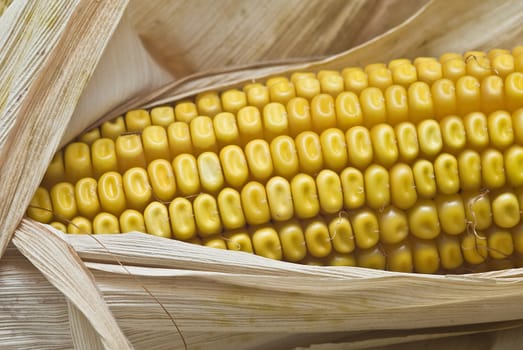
{"x": 411, "y": 166}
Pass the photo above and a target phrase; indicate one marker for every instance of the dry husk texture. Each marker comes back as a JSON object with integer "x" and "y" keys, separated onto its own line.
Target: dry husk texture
{"x": 67, "y": 65}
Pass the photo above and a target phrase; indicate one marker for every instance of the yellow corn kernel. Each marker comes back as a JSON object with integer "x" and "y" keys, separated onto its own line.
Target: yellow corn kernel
{"x": 380, "y": 78}
{"x": 425, "y": 256}
{"x": 348, "y": 110}
{"x": 513, "y": 158}
{"x": 129, "y": 151}
{"x": 210, "y": 171}
{"x": 280, "y": 199}
{"x": 132, "y": 221}
{"x": 423, "y": 220}
{"x": 394, "y": 225}
{"x": 450, "y": 253}
{"x": 517, "y": 51}
{"x": 202, "y": 135}
{"x": 334, "y": 149}
{"x": 266, "y": 243}
{"x": 233, "y": 100}
{"x": 384, "y": 144}
{"x": 492, "y": 94}
{"x": 327, "y": 73}
{"x": 359, "y": 147}
{"x": 323, "y": 112}
{"x": 331, "y": 84}
{"x": 185, "y": 111}
{"x": 276, "y": 80}
{"x": 505, "y": 209}
{"x": 353, "y": 188}
{"x": 340, "y": 259}
{"x": 407, "y": 139}
{"x": 282, "y": 92}
{"x": 179, "y": 138}
{"x": 182, "y": 219}
{"x": 403, "y": 74}
{"x": 230, "y": 207}
{"x": 77, "y": 160}
{"x": 111, "y": 193}
{"x": 468, "y": 95}
{"x": 372, "y": 258}
{"x": 162, "y": 116}
{"x": 492, "y": 169}
{"x": 250, "y": 124}
{"x": 304, "y": 196}
{"x": 430, "y": 139}
{"x": 402, "y": 186}
{"x": 239, "y": 240}
{"x": 469, "y": 169}
{"x": 137, "y": 120}
{"x": 298, "y": 76}
{"x": 307, "y": 87}
{"x": 341, "y": 235}
{"x": 103, "y": 156}
{"x": 478, "y": 209}
{"x": 370, "y": 67}
{"x": 257, "y": 95}
{"x": 453, "y": 134}
{"x": 500, "y": 244}
{"x": 155, "y": 143}
{"x": 55, "y": 172}
{"x": 137, "y": 188}
{"x": 424, "y": 178}
{"x": 312, "y": 261}
{"x": 226, "y": 129}
{"x": 90, "y": 136}
{"x": 420, "y": 102}
{"x": 476, "y": 129}
{"x": 255, "y": 204}
{"x": 453, "y": 69}
{"x": 234, "y": 166}
{"x": 292, "y": 240}
{"x": 373, "y": 106}
{"x": 517, "y": 238}
{"x": 208, "y": 103}
{"x": 474, "y": 248}
{"x": 275, "y": 121}
{"x": 478, "y": 66}
{"x": 397, "y": 62}
{"x": 446, "y": 171}
{"x": 156, "y": 217}
{"x": 317, "y": 237}
{"x": 86, "y": 194}
{"x": 517, "y": 125}
{"x": 377, "y": 186}
{"x": 206, "y": 215}
{"x": 451, "y": 212}
{"x": 105, "y": 223}
{"x": 161, "y": 177}
{"x": 79, "y": 225}
{"x": 330, "y": 192}
{"x": 429, "y": 70}
{"x": 310, "y": 157}
{"x": 215, "y": 241}
{"x": 444, "y": 97}
{"x": 63, "y": 200}
{"x": 186, "y": 174}
{"x": 284, "y": 156}
{"x": 399, "y": 258}
{"x": 501, "y": 134}
{"x": 258, "y": 155}
{"x": 396, "y": 104}
{"x": 355, "y": 80}
{"x": 113, "y": 128}
{"x": 58, "y": 226}
{"x": 365, "y": 228}
{"x": 298, "y": 116}
{"x": 493, "y": 53}
{"x": 41, "y": 208}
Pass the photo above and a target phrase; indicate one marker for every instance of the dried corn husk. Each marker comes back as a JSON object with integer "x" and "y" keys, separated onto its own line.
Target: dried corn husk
{"x": 134, "y": 290}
